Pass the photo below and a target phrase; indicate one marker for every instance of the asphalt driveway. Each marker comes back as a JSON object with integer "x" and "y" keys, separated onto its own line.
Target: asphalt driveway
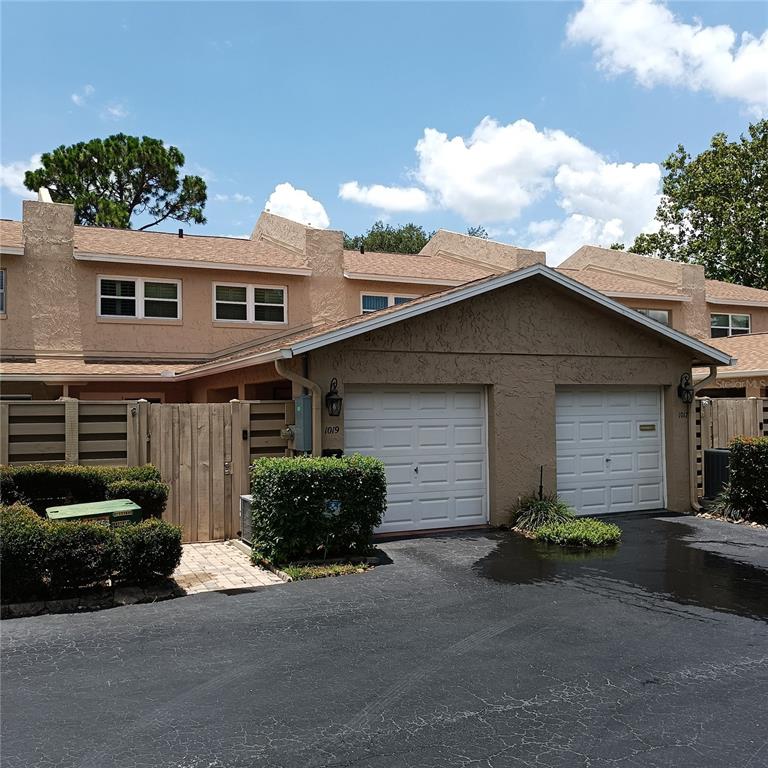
{"x": 466, "y": 650}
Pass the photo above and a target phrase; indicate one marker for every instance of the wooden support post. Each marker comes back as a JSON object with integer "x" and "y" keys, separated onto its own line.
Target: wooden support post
{"x": 3, "y": 433}
{"x": 71, "y": 431}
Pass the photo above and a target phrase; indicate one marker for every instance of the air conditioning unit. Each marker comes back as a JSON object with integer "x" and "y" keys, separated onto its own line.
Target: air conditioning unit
{"x": 246, "y": 519}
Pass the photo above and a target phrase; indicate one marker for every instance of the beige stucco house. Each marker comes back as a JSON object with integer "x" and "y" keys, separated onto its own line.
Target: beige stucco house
{"x": 731, "y": 317}
{"x": 468, "y": 368}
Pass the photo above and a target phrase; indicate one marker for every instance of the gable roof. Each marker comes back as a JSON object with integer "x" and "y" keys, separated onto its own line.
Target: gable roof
{"x": 297, "y": 343}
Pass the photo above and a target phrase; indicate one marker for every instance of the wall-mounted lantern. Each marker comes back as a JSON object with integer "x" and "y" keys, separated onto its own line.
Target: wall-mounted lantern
{"x": 333, "y": 399}
{"x": 685, "y": 389}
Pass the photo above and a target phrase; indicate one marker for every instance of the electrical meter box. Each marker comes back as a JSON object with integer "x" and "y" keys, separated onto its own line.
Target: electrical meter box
{"x": 302, "y": 431}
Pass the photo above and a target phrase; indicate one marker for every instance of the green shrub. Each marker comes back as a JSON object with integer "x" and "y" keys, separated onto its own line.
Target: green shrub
{"x": 150, "y": 495}
{"x": 148, "y": 550}
{"x": 292, "y": 516}
{"x": 318, "y": 571}
{"x": 47, "y": 485}
{"x": 580, "y": 532}
{"x": 531, "y": 512}
{"x": 22, "y": 552}
{"x": 78, "y": 554}
{"x": 746, "y": 495}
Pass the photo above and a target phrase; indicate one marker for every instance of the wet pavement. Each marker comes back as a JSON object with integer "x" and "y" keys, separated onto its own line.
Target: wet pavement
{"x": 690, "y": 561}
{"x": 467, "y": 650}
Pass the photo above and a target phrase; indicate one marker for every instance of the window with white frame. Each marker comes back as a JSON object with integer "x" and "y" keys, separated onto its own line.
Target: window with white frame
{"x": 139, "y": 298}
{"x": 249, "y": 303}
{"x": 722, "y": 324}
{"x": 372, "y": 302}
{"x": 659, "y": 315}
{"x": 2, "y": 291}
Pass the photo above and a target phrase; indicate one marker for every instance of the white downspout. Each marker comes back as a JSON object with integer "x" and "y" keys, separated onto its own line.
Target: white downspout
{"x": 692, "y": 437}
{"x": 317, "y": 414}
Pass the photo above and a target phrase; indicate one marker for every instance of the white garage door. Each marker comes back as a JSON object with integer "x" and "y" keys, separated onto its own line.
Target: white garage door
{"x": 609, "y": 449}
{"x": 433, "y": 443}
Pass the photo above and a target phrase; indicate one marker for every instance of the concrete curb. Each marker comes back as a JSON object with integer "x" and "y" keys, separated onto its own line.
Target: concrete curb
{"x": 94, "y": 601}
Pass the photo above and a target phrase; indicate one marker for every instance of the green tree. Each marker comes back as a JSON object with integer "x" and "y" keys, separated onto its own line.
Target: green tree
{"x": 110, "y": 181}
{"x": 617, "y": 246}
{"x": 384, "y": 238}
{"x": 478, "y": 231}
{"x": 714, "y": 209}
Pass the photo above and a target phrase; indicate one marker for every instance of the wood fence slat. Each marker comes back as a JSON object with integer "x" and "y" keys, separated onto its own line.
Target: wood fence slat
{"x": 227, "y": 530}
{"x": 268, "y": 425}
{"x": 217, "y": 500}
{"x": 57, "y": 446}
{"x": 267, "y": 442}
{"x": 132, "y": 435}
{"x": 186, "y": 501}
{"x": 44, "y": 428}
{"x": 91, "y": 446}
{"x": 203, "y": 470}
{"x": 102, "y": 409}
{"x": 46, "y": 409}
{"x": 99, "y": 428}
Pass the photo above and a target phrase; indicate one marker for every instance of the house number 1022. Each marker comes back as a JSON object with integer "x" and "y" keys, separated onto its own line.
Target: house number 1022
{"x": 332, "y": 430}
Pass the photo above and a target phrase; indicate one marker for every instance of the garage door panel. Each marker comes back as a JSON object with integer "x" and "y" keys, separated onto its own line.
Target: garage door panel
{"x": 609, "y": 452}
{"x": 439, "y": 431}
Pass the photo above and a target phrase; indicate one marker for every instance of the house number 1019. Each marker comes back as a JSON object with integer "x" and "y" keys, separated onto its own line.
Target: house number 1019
{"x": 332, "y": 430}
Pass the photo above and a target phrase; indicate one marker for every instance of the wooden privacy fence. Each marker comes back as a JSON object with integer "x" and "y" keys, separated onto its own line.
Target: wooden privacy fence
{"x": 719, "y": 420}
{"x": 203, "y": 450}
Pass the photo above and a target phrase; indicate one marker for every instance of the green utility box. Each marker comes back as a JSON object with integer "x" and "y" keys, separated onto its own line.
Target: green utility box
{"x": 114, "y": 513}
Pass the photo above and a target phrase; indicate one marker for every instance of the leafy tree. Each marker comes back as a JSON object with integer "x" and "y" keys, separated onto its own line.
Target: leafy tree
{"x": 714, "y": 210}
{"x": 384, "y": 238}
{"x": 112, "y": 180}
{"x": 617, "y": 246}
{"x": 478, "y": 231}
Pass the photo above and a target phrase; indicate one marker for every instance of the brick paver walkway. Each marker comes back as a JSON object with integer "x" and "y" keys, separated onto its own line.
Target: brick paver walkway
{"x": 219, "y": 566}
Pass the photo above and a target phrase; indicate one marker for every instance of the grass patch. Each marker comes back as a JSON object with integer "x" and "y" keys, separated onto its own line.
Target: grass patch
{"x": 531, "y": 512}
{"x": 323, "y": 570}
{"x": 580, "y": 532}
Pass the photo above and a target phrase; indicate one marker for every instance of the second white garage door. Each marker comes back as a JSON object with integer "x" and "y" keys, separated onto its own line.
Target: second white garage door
{"x": 609, "y": 449}
{"x": 432, "y": 441}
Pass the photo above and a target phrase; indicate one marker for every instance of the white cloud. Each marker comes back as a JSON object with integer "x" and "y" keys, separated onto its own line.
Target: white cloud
{"x": 237, "y": 197}
{"x": 80, "y": 97}
{"x": 298, "y": 205}
{"x": 645, "y": 38}
{"x": 12, "y": 176}
{"x": 114, "y": 112}
{"x": 386, "y": 198}
{"x": 562, "y": 239}
{"x": 496, "y": 174}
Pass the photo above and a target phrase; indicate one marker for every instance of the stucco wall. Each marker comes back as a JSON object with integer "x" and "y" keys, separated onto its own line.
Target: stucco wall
{"x": 520, "y": 342}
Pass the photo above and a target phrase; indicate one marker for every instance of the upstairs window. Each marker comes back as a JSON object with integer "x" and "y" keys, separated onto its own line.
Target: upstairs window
{"x": 659, "y": 315}
{"x": 139, "y": 298}
{"x": 235, "y": 302}
{"x": 722, "y": 324}
{"x": 2, "y": 291}
{"x": 372, "y": 302}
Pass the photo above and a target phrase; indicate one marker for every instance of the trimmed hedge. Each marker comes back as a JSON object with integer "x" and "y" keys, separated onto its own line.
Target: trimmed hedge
{"x": 150, "y": 495}
{"x": 147, "y": 550}
{"x": 40, "y": 557}
{"x": 47, "y": 485}
{"x": 306, "y": 507}
{"x": 747, "y": 491}
{"x": 580, "y": 532}
{"x": 22, "y": 551}
{"x": 78, "y": 553}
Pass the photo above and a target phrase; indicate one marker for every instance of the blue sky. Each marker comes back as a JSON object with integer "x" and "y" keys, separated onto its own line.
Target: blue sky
{"x": 583, "y": 101}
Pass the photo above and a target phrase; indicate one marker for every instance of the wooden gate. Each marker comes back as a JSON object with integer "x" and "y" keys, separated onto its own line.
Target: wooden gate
{"x": 203, "y": 451}
{"x": 720, "y": 419}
